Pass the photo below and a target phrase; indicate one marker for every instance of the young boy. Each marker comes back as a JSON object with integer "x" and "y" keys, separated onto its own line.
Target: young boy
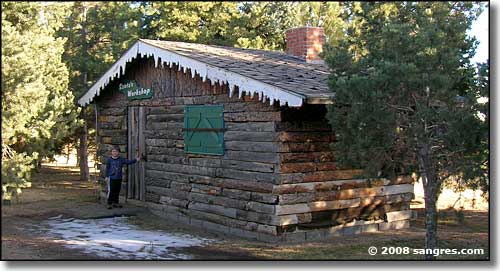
{"x": 114, "y": 166}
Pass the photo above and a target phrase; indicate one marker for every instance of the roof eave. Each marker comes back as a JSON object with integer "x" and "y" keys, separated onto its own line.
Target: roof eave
{"x": 215, "y": 74}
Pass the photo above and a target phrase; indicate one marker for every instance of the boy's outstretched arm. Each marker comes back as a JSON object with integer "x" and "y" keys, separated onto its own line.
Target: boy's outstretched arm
{"x": 129, "y": 162}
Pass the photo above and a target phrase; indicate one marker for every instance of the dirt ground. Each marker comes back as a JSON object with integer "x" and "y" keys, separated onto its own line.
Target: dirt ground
{"x": 57, "y": 191}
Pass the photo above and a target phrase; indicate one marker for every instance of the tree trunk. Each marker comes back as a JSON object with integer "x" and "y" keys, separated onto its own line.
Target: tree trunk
{"x": 84, "y": 163}
{"x": 77, "y": 145}
{"x": 431, "y": 187}
{"x": 38, "y": 164}
{"x": 430, "y": 194}
{"x": 83, "y": 152}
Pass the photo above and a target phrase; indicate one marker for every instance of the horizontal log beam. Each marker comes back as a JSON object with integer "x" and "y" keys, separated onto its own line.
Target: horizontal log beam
{"x": 250, "y": 126}
{"x": 316, "y": 206}
{"x": 399, "y": 215}
{"x": 250, "y": 145}
{"x": 327, "y": 156}
{"x": 262, "y": 187}
{"x": 246, "y": 175}
{"x": 303, "y": 167}
{"x": 303, "y": 126}
{"x": 252, "y": 116}
{"x": 342, "y": 185}
{"x": 263, "y": 157}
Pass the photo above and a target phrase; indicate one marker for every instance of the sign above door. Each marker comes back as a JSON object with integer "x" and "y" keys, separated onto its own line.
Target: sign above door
{"x": 134, "y": 91}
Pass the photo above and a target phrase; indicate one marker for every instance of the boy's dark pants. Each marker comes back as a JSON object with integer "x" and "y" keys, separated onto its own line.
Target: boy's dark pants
{"x": 114, "y": 187}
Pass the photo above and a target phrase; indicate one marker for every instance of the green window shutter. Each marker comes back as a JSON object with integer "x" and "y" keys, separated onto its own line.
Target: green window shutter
{"x": 203, "y": 131}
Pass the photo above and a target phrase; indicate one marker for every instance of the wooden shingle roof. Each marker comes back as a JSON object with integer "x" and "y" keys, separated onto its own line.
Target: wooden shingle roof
{"x": 275, "y": 75}
{"x": 275, "y": 68}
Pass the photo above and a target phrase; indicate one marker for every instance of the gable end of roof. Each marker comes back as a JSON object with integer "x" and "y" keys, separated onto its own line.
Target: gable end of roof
{"x": 206, "y": 71}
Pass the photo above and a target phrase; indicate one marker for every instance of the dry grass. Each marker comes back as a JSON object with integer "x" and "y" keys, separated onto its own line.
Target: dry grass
{"x": 453, "y": 235}
{"x": 57, "y": 190}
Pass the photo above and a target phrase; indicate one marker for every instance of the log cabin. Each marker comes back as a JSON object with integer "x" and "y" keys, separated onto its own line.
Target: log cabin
{"x": 236, "y": 141}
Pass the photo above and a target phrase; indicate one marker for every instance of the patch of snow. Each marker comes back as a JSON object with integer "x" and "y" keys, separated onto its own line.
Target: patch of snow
{"x": 115, "y": 238}
{"x": 56, "y": 217}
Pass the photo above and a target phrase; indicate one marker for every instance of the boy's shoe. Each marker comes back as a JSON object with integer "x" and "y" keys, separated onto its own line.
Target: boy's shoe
{"x": 116, "y": 205}
{"x": 110, "y": 206}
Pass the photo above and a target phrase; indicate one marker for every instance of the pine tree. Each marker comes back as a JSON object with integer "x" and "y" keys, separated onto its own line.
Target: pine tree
{"x": 200, "y": 22}
{"x": 263, "y": 24}
{"x": 332, "y": 16}
{"x": 407, "y": 96}
{"x": 37, "y": 108}
{"x": 97, "y": 34}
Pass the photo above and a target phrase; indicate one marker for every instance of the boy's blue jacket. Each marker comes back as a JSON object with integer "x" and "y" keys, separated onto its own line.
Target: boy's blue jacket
{"x": 114, "y": 167}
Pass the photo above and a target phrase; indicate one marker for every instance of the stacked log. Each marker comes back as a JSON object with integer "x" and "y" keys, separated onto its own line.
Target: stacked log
{"x": 277, "y": 179}
{"x": 310, "y": 185}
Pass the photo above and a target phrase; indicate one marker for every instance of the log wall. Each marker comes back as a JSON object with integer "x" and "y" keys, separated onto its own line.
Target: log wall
{"x": 276, "y": 180}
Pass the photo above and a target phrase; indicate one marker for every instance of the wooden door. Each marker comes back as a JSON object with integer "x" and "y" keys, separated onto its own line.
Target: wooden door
{"x": 136, "y": 144}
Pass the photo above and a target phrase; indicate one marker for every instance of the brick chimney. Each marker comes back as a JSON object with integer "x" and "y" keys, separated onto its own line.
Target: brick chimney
{"x": 306, "y": 43}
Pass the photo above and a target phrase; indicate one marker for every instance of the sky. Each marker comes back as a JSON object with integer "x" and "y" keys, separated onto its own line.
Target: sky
{"x": 480, "y": 31}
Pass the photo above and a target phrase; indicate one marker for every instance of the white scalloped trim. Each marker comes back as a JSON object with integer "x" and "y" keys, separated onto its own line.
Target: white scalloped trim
{"x": 205, "y": 71}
